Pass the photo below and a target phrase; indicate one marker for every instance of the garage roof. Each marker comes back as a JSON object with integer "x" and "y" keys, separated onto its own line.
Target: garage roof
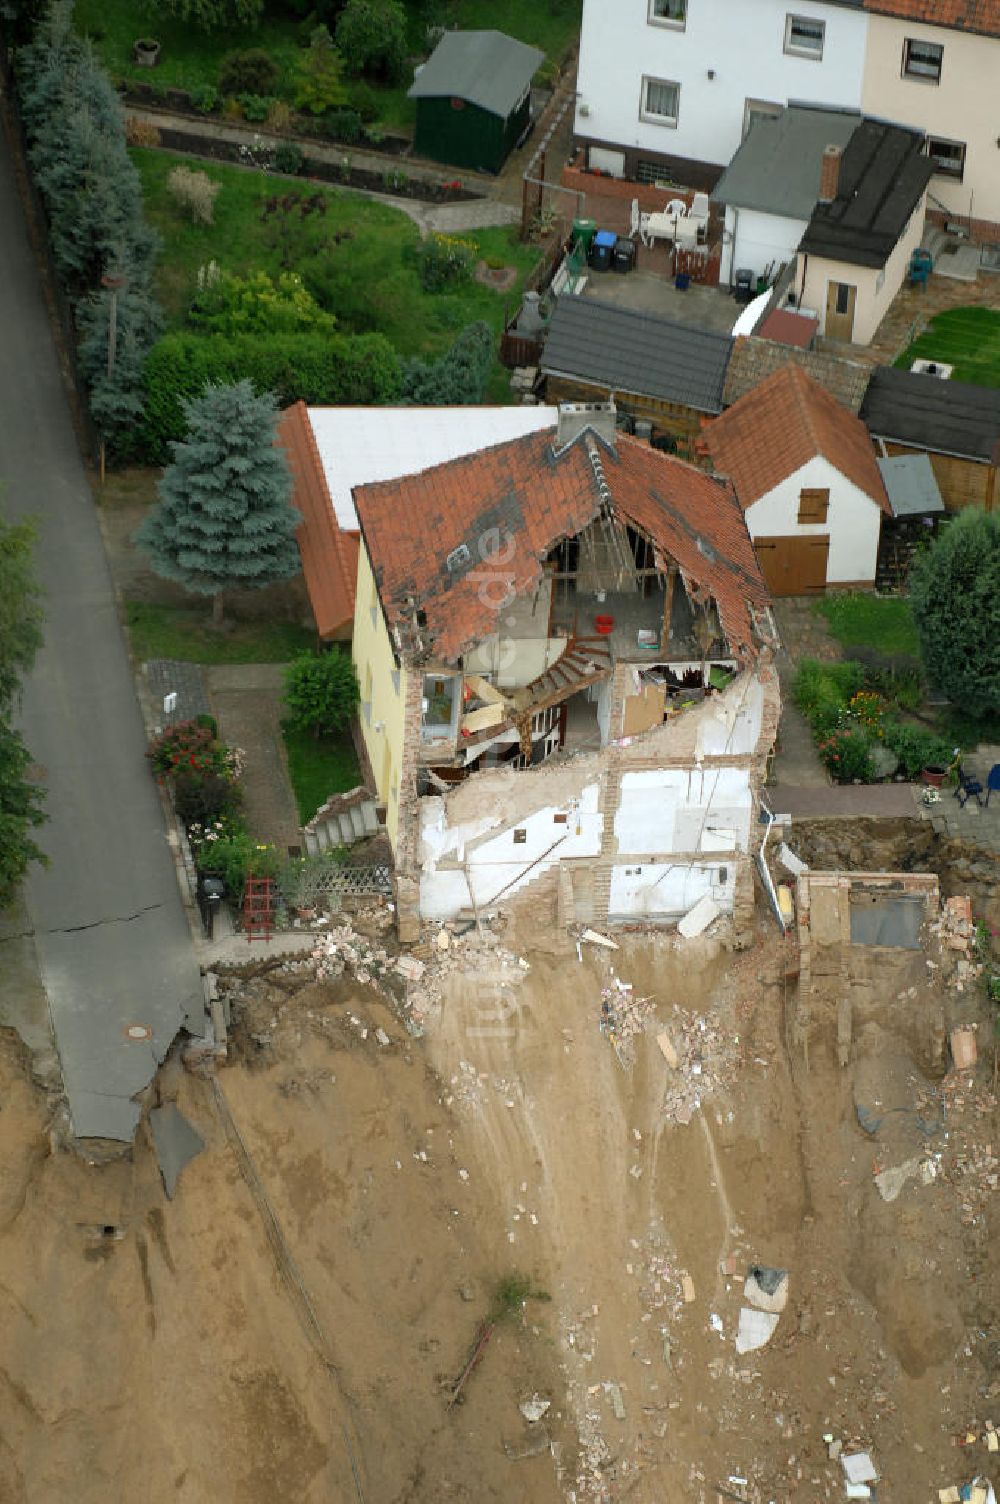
{"x": 624, "y": 350}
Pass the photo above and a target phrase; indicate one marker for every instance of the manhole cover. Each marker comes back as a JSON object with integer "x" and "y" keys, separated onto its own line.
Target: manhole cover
{"x": 138, "y": 1031}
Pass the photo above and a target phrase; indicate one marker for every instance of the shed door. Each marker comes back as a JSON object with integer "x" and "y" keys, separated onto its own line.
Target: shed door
{"x": 793, "y": 566}
{"x": 840, "y": 300}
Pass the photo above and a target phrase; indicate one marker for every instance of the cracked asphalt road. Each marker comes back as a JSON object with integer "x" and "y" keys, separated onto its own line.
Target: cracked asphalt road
{"x": 112, "y": 940}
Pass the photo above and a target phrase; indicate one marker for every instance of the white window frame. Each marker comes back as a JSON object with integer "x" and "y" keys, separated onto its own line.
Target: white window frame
{"x": 763, "y": 109}
{"x": 919, "y": 75}
{"x": 796, "y": 50}
{"x": 945, "y": 172}
{"x": 675, "y": 23}
{"x": 652, "y": 117}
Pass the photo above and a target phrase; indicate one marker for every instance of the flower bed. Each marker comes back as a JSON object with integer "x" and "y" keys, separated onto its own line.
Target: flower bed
{"x": 854, "y": 716}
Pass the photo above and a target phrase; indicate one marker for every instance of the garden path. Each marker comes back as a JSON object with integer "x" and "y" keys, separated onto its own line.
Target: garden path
{"x": 449, "y": 219}
{"x": 796, "y": 763}
{"x": 246, "y": 701}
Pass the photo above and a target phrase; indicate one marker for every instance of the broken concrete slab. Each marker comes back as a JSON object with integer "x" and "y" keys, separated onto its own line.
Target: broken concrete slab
{"x": 755, "y": 1329}
{"x": 858, "y": 1467}
{"x": 698, "y": 918}
{"x": 667, "y": 1050}
{"x": 891, "y": 1181}
{"x": 791, "y": 863}
{"x": 175, "y": 1141}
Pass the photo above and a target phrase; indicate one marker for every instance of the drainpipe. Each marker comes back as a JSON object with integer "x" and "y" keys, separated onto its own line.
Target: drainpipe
{"x": 767, "y": 819}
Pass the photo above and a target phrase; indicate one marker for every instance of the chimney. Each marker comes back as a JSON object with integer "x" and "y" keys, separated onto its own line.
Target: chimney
{"x": 829, "y": 173}
{"x": 576, "y": 417}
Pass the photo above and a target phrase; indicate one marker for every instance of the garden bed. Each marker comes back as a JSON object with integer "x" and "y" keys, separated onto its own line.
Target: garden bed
{"x": 862, "y": 719}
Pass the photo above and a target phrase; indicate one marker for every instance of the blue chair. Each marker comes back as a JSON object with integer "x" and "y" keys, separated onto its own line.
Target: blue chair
{"x": 968, "y": 788}
{"x": 992, "y": 780}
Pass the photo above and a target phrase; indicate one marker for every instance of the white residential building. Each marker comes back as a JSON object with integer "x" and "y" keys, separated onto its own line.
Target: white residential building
{"x": 667, "y": 88}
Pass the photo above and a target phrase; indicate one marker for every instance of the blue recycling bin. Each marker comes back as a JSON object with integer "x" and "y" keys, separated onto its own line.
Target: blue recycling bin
{"x": 602, "y": 250}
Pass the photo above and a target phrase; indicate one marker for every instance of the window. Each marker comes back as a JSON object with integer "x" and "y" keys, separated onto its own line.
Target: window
{"x": 668, "y": 12}
{"x": 843, "y": 296}
{"x": 659, "y": 101}
{"x": 948, "y": 157}
{"x": 520, "y": 837}
{"x": 922, "y": 60}
{"x": 813, "y": 505}
{"x": 804, "y": 36}
{"x": 759, "y": 109}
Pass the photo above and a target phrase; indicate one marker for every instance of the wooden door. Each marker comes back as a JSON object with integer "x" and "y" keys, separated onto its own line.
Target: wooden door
{"x": 794, "y": 566}
{"x": 840, "y": 300}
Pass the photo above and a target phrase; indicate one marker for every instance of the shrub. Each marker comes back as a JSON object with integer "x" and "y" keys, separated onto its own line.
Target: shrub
{"x": 321, "y": 691}
{"x": 955, "y": 595}
{"x": 445, "y": 261}
{"x": 846, "y": 754}
{"x": 194, "y": 192}
{"x": 193, "y": 747}
{"x": 204, "y": 99}
{"x": 916, "y": 747}
{"x": 255, "y": 107}
{"x": 353, "y": 370}
{"x": 141, "y": 132}
{"x": 319, "y": 85}
{"x": 289, "y": 158}
{"x": 343, "y": 125}
{"x": 258, "y": 304}
{"x": 363, "y": 100}
{"x": 235, "y": 856}
{"x": 201, "y": 799}
{"x": 371, "y": 37}
{"x": 822, "y": 692}
{"x": 459, "y": 377}
{"x": 899, "y": 680}
{"x": 251, "y": 72}
{"x": 279, "y": 115}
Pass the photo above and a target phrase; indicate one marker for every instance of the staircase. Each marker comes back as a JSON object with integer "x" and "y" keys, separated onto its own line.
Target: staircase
{"x": 341, "y": 821}
{"x": 585, "y": 661}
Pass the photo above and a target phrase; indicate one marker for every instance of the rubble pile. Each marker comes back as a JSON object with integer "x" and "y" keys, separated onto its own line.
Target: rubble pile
{"x": 706, "y": 1060}
{"x": 624, "y": 1019}
{"x": 955, "y": 933}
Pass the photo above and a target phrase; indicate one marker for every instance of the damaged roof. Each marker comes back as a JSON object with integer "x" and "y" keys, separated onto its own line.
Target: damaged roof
{"x": 451, "y": 545}
{"x": 780, "y": 426}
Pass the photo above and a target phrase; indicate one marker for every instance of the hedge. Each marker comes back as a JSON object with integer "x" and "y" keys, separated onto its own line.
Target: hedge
{"x": 356, "y": 370}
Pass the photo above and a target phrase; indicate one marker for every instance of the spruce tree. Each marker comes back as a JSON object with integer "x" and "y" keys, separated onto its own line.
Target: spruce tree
{"x": 223, "y": 517}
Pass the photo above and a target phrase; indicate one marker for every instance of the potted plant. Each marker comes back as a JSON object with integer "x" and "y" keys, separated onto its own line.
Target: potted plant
{"x": 934, "y": 774}
{"x": 146, "y": 52}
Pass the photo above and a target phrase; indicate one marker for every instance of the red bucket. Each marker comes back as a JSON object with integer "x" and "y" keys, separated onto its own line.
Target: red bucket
{"x": 605, "y": 625}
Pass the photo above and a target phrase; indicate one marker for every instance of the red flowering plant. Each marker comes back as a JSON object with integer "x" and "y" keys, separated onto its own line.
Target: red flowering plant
{"x": 194, "y": 747}
{"x": 846, "y": 755}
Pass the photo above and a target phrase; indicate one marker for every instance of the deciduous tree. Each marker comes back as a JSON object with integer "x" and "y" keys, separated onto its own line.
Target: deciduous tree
{"x": 955, "y": 594}
{"x": 321, "y": 691}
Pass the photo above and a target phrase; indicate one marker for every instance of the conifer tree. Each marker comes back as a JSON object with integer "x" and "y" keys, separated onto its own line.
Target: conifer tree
{"x": 223, "y": 517}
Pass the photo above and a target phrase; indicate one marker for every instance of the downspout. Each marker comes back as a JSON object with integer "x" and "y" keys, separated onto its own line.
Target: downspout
{"x": 767, "y": 819}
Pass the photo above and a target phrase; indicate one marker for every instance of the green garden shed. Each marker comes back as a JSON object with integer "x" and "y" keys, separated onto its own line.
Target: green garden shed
{"x": 474, "y": 98}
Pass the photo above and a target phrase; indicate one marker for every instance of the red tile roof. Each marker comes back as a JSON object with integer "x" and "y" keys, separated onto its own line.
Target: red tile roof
{"x": 506, "y": 508}
{"x": 788, "y": 328}
{"x": 980, "y": 16}
{"x": 780, "y": 426}
{"x": 329, "y": 555}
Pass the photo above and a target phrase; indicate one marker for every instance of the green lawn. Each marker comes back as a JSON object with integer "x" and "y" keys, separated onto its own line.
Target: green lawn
{"x": 368, "y": 279}
{"x": 966, "y": 338}
{"x": 319, "y": 767}
{"x": 190, "y": 59}
{"x": 185, "y": 633}
{"x": 884, "y": 623}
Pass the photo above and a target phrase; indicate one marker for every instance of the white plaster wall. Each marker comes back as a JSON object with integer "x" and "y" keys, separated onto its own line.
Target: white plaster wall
{"x": 741, "y": 41}
{"x": 961, "y": 107}
{"x": 514, "y": 661}
{"x": 853, "y": 522}
{"x": 661, "y": 890}
{"x": 759, "y": 241}
{"x": 675, "y": 809}
{"x": 733, "y": 728}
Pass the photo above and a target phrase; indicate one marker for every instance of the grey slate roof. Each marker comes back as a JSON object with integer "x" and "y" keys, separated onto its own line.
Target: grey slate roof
{"x": 753, "y": 359}
{"x": 487, "y": 68}
{"x": 629, "y": 351}
{"x": 911, "y": 485}
{"x": 883, "y": 175}
{"x": 948, "y": 417}
{"x": 776, "y": 170}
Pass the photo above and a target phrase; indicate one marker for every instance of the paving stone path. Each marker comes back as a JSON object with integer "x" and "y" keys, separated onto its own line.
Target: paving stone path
{"x": 246, "y": 699}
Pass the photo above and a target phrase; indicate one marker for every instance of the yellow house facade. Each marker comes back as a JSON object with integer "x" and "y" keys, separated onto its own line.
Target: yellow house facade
{"x": 382, "y": 683}
{"x": 945, "y": 82}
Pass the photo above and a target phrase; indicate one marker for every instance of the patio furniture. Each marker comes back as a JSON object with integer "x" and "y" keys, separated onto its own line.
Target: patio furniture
{"x": 686, "y": 234}
{"x": 662, "y": 226}
{"x": 967, "y": 788}
{"x": 699, "y": 211}
{"x": 992, "y": 781}
{"x": 638, "y": 224}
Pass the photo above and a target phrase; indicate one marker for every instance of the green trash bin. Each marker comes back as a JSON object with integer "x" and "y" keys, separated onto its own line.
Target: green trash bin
{"x": 584, "y": 231}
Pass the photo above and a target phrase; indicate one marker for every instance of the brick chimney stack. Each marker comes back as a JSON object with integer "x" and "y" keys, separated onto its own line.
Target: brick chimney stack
{"x": 829, "y": 173}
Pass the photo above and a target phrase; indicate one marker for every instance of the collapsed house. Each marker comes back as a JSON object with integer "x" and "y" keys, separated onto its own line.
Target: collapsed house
{"x": 563, "y": 649}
